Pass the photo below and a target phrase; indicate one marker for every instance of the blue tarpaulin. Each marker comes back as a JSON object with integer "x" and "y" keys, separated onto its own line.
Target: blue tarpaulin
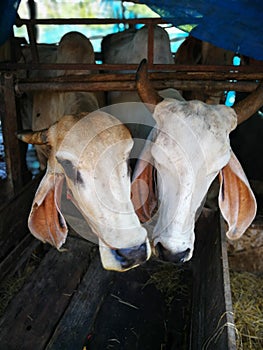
{"x": 234, "y": 25}
{"x": 8, "y": 10}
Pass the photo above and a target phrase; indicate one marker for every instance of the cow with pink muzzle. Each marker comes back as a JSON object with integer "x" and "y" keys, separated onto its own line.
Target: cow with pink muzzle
{"x": 184, "y": 153}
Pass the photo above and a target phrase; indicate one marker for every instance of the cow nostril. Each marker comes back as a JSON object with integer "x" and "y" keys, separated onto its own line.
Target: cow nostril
{"x": 131, "y": 256}
{"x": 166, "y": 255}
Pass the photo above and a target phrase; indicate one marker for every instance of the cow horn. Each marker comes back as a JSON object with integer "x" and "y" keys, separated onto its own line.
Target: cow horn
{"x": 33, "y": 137}
{"x": 145, "y": 90}
{"x": 250, "y": 105}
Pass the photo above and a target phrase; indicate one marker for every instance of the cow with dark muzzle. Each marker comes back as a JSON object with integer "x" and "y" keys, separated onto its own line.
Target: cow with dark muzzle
{"x": 186, "y": 150}
{"x": 89, "y": 152}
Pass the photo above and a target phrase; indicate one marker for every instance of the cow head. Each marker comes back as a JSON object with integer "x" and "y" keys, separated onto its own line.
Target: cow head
{"x": 90, "y": 152}
{"x": 188, "y": 148}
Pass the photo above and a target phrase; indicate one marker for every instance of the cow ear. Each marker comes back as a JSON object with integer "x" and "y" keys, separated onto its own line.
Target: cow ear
{"x": 236, "y": 199}
{"x": 143, "y": 190}
{"x": 45, "y": 220}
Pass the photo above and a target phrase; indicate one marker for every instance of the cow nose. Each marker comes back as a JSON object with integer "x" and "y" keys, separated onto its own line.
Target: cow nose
{"x": 129, "y": 257}
{"x": 166, "y": 255}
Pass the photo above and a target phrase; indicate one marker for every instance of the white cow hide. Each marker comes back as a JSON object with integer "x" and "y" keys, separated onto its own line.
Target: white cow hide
{"x": 188, "y": 148}
{"x": 90, "y": 152}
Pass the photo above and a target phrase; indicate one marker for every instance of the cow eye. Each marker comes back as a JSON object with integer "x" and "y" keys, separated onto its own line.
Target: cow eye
{"x": 79, "y": 178}
{"x": 68, "y": 167}
{"x": 71, "y": 171}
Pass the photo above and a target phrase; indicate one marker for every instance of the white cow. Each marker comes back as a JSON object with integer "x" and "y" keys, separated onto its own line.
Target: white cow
{"x": 189, "y": 147}
{"x": 130, "y": 47}
{"x": 90, "y": 152}
{"x": 50, "y": 106}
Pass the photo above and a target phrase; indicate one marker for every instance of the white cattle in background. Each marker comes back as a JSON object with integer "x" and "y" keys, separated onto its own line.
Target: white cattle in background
{"x": 189, "y": 147}
{"x": 47, "y": 54}
{"x": 131, "y": 46}
{"x": 50, "y": 106}
{"x": 40, "y": 109}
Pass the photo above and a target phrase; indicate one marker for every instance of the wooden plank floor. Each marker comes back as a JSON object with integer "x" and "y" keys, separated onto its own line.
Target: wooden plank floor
{"x": 70, "y": 302}
{"x": 36, "y": 309}
{"x": 137, "y": 314}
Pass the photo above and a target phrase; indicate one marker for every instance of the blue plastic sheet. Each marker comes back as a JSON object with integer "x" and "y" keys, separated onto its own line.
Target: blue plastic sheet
{"x": 235, "y": 25}
{"x": 8, "y": 10}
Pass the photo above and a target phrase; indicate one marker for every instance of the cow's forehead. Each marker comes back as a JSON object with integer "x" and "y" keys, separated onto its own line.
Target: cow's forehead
{"x": 85, "y": 127}
{"x": 90, "y": 136}
{"x": 194, "y": 132}
{"x": 197, "y": 114}
{"x": 195, "y": 121}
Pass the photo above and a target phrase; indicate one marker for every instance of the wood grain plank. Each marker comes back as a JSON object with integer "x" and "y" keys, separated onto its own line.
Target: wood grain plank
{"x": 212, "y": 314}
{"x": 33, "y": 314}
{"x": 18, "y": 256}
{"x": 78, "y": 319}
{"x": 13, "y": 218}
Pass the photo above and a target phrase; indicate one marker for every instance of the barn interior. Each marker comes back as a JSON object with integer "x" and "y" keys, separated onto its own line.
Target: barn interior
{"x": 64, "y": 299}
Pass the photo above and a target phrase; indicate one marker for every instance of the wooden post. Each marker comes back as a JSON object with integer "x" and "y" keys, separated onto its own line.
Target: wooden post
{"x": 11, "y": 143}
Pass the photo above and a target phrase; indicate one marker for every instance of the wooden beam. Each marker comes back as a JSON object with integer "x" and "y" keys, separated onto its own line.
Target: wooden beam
{"x": 13, "y": 155}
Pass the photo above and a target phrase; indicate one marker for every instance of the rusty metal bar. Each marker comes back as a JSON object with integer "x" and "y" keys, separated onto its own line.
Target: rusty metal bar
{"x": 103, "y": 77}
{"x": 233, "y": 70}
{"x": 50, "y": 21}
{"x": 206, "y": 86}
{"x": 127, "y": 85}
{"x": 150, "y": 22}
{"x": 32, "y": 40}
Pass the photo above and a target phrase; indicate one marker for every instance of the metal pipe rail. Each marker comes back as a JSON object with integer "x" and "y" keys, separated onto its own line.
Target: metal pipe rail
{"x": 30, "y": 23}
{"x": 130, "y": 85}
{"x": 196, "y": 72}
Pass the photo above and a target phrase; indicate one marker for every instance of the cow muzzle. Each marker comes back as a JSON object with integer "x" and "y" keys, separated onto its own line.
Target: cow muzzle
{"x": 129, "y": 257}
{"x": 123, "y": 259}
{"x": 177, "y": 258}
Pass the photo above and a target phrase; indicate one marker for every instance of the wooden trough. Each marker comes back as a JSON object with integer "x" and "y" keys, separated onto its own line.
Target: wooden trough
{"x": 68, "y": 301}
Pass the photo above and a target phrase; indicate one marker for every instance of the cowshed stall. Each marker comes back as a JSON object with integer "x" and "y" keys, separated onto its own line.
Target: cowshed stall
{"x": 63, "y": 298}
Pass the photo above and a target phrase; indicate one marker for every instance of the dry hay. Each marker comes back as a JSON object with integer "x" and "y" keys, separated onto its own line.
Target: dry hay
{"x": 168, "y": 279}
{"x": 246, "y": 278}
{"x": 247, "y": 298}
{"x": 246, "y": 253}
